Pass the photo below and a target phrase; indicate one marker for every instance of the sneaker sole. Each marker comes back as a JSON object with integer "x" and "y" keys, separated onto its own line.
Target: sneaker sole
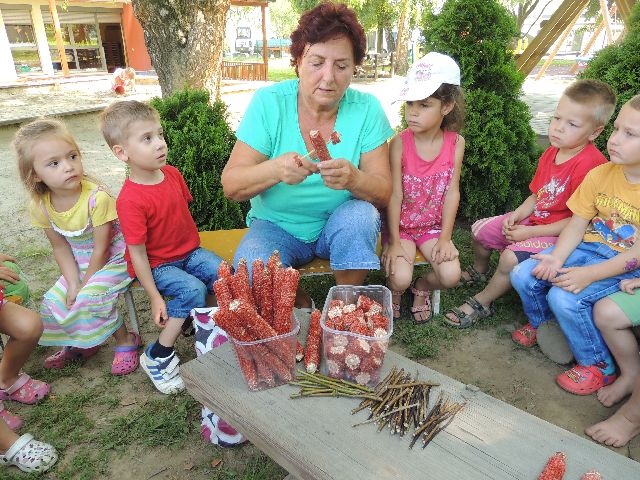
{"x": 168, "y": 391}
{"x": 553, "y": 343}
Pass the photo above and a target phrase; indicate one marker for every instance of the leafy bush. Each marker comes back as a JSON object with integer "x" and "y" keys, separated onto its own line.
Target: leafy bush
{"x": 618, "y": 65}
{"x": 501, "y": 152}
{"x": 200, "y": 142}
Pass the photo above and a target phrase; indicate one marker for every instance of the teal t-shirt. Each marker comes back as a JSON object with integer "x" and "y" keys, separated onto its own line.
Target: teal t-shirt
{"x": 270, "y": 125}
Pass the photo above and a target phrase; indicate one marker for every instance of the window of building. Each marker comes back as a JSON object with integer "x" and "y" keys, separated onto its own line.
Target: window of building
{"x": 82, "y": 46}
{"x": 24, "y": 50}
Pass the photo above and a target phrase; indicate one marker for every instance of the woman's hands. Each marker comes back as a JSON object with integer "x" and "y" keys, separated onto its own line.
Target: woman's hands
{"x": 338, "y": 174}
{"x": 293, "y": 169}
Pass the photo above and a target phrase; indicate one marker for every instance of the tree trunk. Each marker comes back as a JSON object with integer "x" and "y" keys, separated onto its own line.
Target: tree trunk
{"x": 402, "y": 47}
{"x": 185, "y": 41}
{"x": 379, "y": 37}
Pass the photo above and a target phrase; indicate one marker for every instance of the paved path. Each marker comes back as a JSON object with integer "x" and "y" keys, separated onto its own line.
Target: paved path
{"x": 20, "y": 105}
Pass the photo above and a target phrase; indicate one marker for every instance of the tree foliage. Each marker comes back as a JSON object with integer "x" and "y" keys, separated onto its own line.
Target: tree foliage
{"x": 501, "y": 152}
{"x": 618, "y": 65}
{"x": 200, "y": 143}
{"x": 284, "y": 19}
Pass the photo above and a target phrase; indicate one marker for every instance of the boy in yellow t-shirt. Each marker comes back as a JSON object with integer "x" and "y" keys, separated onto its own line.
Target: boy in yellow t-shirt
{"x": 594, "y": 252}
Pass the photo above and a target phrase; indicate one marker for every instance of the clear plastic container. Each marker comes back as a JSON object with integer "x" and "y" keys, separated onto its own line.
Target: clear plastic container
{"x": 270, "y": 362}
{"x": 350, "y": 356}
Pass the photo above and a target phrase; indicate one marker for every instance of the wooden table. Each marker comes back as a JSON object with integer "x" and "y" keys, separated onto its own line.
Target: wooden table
{"x": 313, "y": 438}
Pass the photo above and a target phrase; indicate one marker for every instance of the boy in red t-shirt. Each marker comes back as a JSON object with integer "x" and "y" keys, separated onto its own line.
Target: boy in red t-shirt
{"x": 163, "y": 246}
{"x": 581, "y": 114}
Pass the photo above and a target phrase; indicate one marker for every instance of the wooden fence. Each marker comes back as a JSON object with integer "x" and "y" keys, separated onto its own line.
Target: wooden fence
{"x": 244, "y": 71}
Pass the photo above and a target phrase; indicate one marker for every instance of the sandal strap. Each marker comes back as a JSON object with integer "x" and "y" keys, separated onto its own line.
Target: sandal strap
{"x": 474, "y": 275}
{"x": 476, "y": 305}
{"x": 464, "y": 320}
{"x": 421, "y": 308}
{"x": 419, "y": 293}
{"x": 18, "y": 445}
{"x": 23, "y": 378}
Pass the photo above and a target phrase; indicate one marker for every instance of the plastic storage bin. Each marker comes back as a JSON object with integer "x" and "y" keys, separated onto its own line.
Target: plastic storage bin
{"x": 270, "y": 362}
{"x": 350, "y": 356}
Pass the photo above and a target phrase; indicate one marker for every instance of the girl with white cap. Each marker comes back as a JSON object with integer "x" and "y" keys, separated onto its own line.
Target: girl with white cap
{"x": 426, "y": 159}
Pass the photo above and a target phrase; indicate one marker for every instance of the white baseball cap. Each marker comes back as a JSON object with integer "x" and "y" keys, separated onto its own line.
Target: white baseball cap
{"x": 427, "y": 74}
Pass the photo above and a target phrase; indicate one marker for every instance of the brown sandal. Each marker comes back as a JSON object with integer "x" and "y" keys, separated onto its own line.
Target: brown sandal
{"x": 421, "y": 308}
{"x": 475, "y": 277}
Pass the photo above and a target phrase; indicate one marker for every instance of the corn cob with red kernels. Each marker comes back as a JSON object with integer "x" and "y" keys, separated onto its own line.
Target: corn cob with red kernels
{"x": 223, "y": 292}
{"x": 225, "y": 270}
{"x": 335, "y": 137}
{"x": 314, "y": 343}
{"x": 283, "y": 369}
{"x": 555, "y": 467}
{"x": 240, "y": 284}
{"x": 253, "y": 322}
{"x": 229, "y": 322}
{"x": 319, "y": 146}
{"x": 262, "y": 291}
{"x": 285, "y": 286}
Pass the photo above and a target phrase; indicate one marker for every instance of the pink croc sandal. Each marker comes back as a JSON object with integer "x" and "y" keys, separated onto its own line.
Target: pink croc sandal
{"x": 25, "y": 390}
{"x": 526, "y": 336}
{"x": 59, "y": 359}
{"x": 584, "y": 380}
{"x": 14, "y": 422}
{"x": 125, "y": 359}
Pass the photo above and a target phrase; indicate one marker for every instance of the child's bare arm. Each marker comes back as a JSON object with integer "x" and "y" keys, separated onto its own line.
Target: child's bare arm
{"x": 101, "y": 251}
{"x": 140, "y": 261}
{"x": 64, "y": 257}
{"x": 444, "y": 250}
{"x": 525, "y": 209}
{"x": 574, "y": 279}
{"x": 393, "y": 249}
{"x": 550, "y": 230}
{"x": 568, "y": 240}
{"x": 67, "y": 263}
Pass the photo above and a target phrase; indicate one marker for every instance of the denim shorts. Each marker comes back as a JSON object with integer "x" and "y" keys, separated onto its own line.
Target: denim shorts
{"x": 187, "y": 281}
{"x": 348, "y": 240}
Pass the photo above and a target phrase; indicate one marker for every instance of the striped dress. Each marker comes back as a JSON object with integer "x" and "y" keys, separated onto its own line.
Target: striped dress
{"x": 94, "y": 316}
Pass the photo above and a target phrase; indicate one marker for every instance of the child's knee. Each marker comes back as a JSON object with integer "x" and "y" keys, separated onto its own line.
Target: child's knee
{"x": 399, "y": 281}
{"x": 507, "y": 262}
{"x": 603, "y": 316}
{"x": 29, "y": 328}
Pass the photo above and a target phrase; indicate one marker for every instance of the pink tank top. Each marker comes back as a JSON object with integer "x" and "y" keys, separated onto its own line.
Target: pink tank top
{"x": 425, "y": 184}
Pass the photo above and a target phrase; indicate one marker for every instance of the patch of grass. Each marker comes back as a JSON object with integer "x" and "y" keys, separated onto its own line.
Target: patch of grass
{"x": 257, "y": 467}
{"x": 31, "y": 252}
{"x": 164, "y": 422}
{"x": 277, "y": 74}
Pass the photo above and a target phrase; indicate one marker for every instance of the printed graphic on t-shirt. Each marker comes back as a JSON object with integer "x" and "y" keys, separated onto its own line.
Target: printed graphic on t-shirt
{"x": 548, "y": 195}
{"x": 620, "y": 226}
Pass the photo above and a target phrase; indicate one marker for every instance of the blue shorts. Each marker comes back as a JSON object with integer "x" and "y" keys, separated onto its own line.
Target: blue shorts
{"x": 187, "y": 281}
{"x": 348, "y": 240}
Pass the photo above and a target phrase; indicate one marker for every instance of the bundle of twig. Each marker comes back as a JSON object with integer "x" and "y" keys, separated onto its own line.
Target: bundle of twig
{"x": 404, "y": 405}
{"x": 317, "y": 385}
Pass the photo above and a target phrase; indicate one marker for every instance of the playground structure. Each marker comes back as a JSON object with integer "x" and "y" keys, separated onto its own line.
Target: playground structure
{"x": 560, "y": 26}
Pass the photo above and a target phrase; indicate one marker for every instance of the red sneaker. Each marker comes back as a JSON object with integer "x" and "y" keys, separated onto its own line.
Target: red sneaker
{"x": 525, "y": 336}
{"x": 584, "y": 380}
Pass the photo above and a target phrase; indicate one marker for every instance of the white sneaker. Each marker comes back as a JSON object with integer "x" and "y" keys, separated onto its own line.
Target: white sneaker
{"x": 163, "y": 372}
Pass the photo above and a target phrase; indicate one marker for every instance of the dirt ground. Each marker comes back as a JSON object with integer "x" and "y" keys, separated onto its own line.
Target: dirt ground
{"x": 485, "y": 357}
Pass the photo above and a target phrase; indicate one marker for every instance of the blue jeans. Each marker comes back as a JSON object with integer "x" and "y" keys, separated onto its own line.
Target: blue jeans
{"x": 187, "y": 281}
{"x": 348, "y": 240}
{"x": 542, "y": 301}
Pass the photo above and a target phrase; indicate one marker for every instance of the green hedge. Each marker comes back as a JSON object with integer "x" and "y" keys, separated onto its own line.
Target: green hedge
{"x": 200, "y": 143}
{"x": 501, "y": 151}
{"x": 619, "y": 66}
